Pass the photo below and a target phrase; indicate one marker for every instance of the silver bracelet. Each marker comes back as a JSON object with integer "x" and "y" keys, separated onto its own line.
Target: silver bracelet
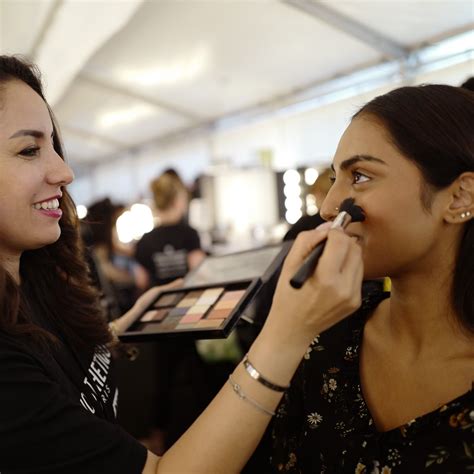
{"x": 241, "y": 394}
{"x": 256, "y": 375}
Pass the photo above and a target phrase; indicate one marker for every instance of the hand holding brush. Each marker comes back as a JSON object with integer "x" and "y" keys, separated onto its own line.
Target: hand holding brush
{"x": 349, "y": 212}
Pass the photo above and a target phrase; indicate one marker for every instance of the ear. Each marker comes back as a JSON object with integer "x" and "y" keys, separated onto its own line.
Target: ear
{"x": 461, "y": 199}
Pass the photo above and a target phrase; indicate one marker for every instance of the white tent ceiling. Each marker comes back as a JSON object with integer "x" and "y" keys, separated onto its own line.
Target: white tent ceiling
{"x": 122, "y": 73}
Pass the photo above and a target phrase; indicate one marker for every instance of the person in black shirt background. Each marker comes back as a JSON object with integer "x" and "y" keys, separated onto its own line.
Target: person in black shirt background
{"x": 173, "y": 248}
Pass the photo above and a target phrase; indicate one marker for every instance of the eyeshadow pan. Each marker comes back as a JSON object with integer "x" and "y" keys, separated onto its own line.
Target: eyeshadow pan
{"x": 198, "y": 309}
{"x": 226, "y": 304}
{"x": 186, "y": 302}
{"x": 210, "y": 296}
{"x": 168, "y": 300}
{"x": 206, "y": 300}
{"x": 219, "y": 313}
{"x": 183, "y": 327}
{"x": 168, "y": 324}
{"x": 214, "y": 291}
{"x": 177, "y": 312}
{"x": 191, "y": 318}
{"x": 154, "y": 315}
{"x": 233, "y": 295}
{"x": 209, "y": 323}
{"x": 152, "y": 327}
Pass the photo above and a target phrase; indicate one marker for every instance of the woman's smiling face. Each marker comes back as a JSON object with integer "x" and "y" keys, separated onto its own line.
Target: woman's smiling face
{"x": 31, "y": 172}
{"x": 404, "y": 218}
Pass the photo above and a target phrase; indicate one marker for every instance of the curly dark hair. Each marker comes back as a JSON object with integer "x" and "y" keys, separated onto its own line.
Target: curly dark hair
{"x": 55, "y": 280}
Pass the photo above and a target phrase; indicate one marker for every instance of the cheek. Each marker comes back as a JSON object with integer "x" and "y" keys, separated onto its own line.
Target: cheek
{"x": 392, "y": 245}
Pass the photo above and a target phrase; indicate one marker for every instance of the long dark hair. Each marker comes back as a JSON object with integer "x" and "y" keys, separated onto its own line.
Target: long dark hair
{"x": 54, "y": 279}
{"x": 433, "y": 126}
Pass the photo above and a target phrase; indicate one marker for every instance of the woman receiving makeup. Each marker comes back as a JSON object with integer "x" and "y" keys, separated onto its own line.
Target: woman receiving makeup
{"x": 390, "y": 389}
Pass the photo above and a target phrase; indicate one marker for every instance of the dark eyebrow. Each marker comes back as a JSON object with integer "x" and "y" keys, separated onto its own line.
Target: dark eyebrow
{"x": 356, "y": 158}
{"x": 29, "y": 133}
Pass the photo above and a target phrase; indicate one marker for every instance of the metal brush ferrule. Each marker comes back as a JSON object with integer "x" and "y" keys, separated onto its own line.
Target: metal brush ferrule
{"x": 342, "y": 220}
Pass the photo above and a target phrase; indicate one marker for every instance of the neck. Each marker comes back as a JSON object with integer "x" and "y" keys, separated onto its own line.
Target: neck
{"x": 422, "y": 320}
{"x": 169, "y": 217}
{"x": 420, "y": 312}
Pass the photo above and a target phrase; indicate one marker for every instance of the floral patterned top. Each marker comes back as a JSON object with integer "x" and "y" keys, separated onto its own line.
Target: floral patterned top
{"x": 323, "y": 424}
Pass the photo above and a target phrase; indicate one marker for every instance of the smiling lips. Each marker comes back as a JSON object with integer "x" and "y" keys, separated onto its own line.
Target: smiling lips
{"x": 49, "y": 208}
{"x": 51, "y": 204}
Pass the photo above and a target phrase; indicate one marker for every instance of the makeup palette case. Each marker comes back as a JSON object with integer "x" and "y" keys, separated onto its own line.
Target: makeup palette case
{"x": 221, "y": 291}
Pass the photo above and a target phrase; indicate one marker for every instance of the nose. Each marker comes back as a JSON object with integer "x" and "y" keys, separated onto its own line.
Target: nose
{"x": 330, "y": 207}
{"x": 58, "y": 172}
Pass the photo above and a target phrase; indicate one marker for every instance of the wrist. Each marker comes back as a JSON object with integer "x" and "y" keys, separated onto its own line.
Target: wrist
{"x": 275, "y": 358}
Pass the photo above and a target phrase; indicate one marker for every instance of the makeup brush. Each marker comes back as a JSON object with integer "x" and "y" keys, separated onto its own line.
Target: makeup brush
{"x": 349, "y": 212}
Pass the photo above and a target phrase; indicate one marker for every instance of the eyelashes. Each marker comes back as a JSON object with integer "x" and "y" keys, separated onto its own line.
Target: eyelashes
{"x": 357, "y": 178}
{"x": 30, "y": 151}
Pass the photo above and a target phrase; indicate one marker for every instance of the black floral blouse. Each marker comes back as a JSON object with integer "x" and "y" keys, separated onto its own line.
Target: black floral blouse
{"x": 323, "y": 424}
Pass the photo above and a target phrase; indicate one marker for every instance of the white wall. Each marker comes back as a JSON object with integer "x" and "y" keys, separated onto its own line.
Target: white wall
{"x": 126, "y": 178}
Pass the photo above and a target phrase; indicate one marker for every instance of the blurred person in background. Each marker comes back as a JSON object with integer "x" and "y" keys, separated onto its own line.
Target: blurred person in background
{"x": 113, "y": 263}
{"x": 173, "y": 248}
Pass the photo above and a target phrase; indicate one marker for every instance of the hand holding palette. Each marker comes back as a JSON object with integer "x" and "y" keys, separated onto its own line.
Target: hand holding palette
{"x": 198, "y": 312}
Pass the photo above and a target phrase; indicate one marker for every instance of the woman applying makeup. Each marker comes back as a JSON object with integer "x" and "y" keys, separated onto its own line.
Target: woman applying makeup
{"x": 58, "y": 399}
{"x": 390, "y": 388}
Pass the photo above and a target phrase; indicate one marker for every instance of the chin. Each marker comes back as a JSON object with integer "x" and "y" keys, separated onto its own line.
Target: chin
{"x": 47, "y": 240}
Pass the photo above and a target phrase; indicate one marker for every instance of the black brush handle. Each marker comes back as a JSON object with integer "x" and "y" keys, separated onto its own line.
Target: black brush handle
{"x": 308, "y": 266}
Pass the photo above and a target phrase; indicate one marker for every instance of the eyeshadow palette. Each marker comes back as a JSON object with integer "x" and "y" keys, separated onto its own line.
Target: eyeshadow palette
{"x": 199, "y": 312}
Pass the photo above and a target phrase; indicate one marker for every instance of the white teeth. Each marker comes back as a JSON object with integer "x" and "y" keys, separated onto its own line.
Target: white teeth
{"x": 52, "y": 204}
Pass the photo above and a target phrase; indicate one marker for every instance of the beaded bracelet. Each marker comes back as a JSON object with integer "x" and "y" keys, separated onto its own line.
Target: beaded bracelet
{"x": 256, "y": 375}
{"x": 241, "y": 394}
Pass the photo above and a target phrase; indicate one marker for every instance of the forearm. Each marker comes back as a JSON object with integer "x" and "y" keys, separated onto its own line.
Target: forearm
{"x": 225, "y": 435}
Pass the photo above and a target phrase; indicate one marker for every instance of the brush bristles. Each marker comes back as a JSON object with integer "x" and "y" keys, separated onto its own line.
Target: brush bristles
{"x": 349, "y": 206}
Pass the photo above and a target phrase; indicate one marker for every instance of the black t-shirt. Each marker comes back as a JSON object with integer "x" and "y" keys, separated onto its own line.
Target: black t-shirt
{"x": 163, "y": 252}
{"x": 58, "y": 413}
{"x": 323, "y": 424}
